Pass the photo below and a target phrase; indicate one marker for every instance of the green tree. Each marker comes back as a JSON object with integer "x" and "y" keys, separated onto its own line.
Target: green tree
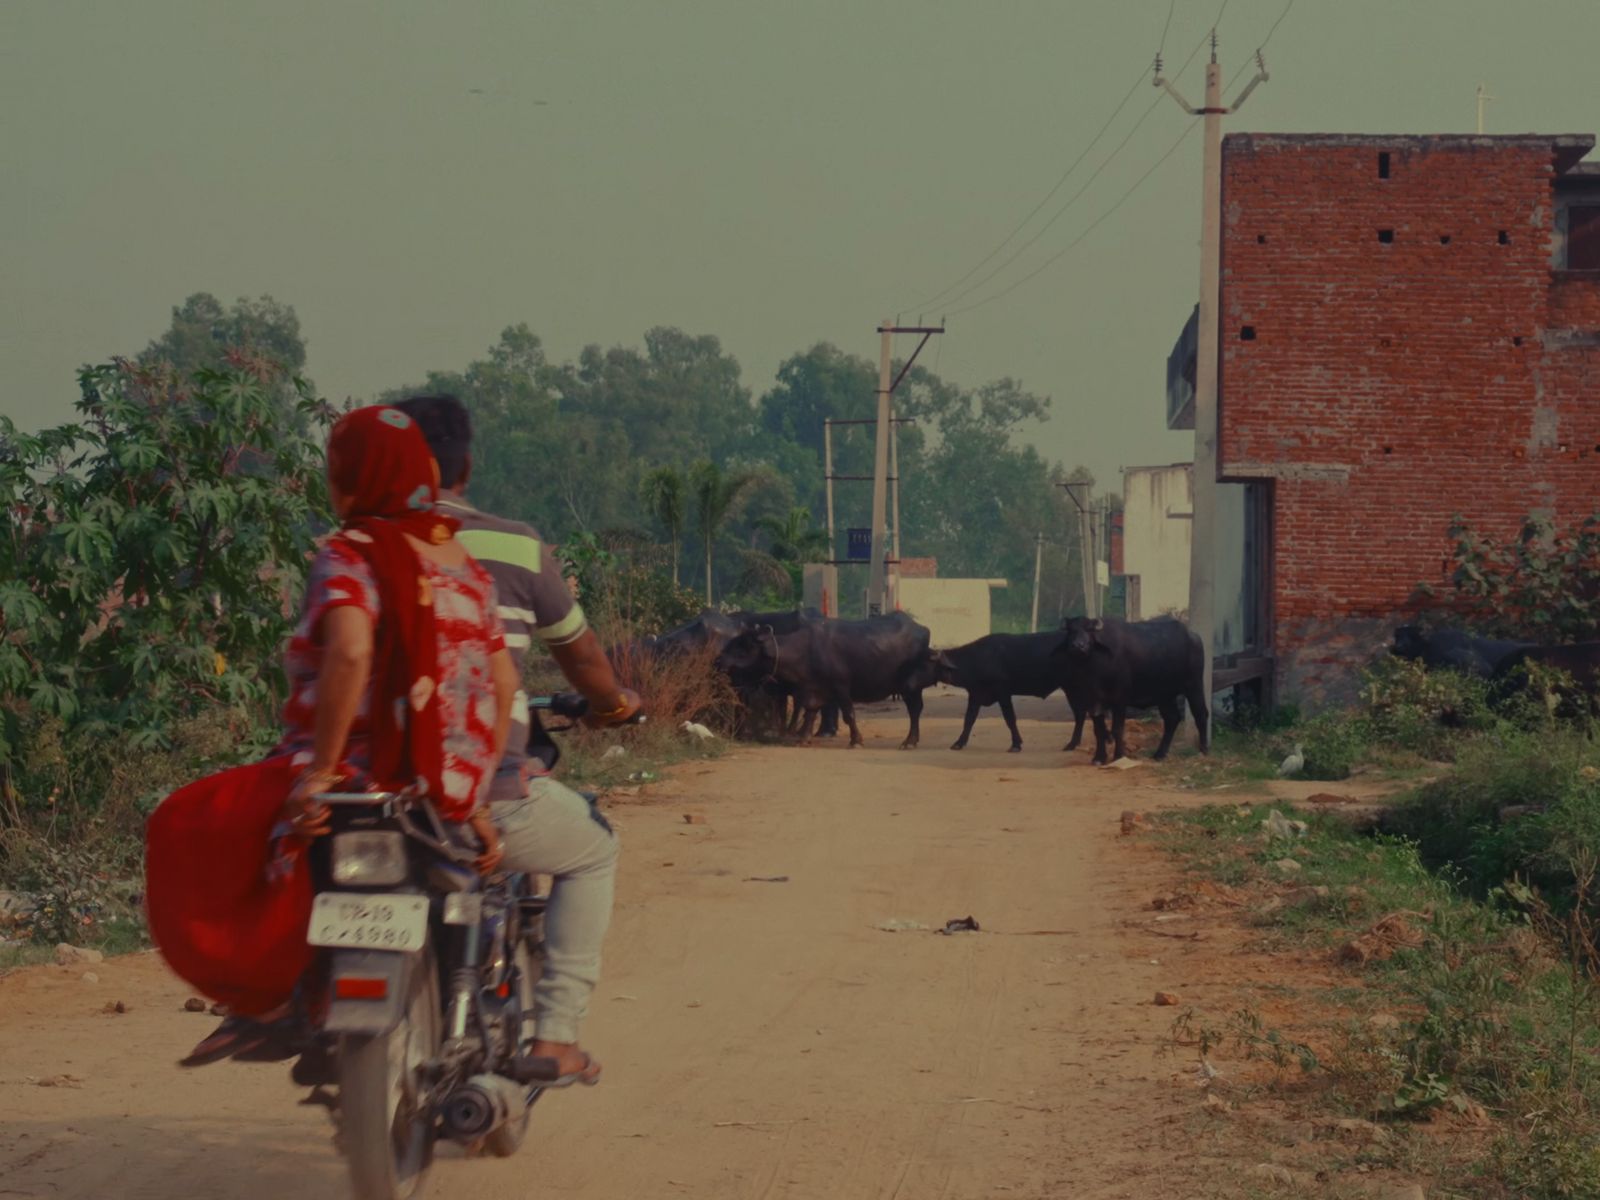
{"x": 146, "y": 573}
{"x": 662, "y": 493}
{"x": 204, "y": 333}
{"x": 793, "y": 537}
{"x": 715, "y": 493}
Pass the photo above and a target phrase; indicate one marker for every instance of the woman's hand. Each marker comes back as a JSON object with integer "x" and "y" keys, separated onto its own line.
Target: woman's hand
{"x": 308, "y": 818}
{"x": 493, "y": 853}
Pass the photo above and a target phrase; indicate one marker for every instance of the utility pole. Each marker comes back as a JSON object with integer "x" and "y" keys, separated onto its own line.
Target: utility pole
{"x": 827, "y": 481}
{"x": 1483, "y": 96}
{"x": 1038, "y": 561}
{"x": 1087, "y": 553}
{"x": 894, "y": 477}
{"x": 878, "y": 579}
{"x": 1202, "y": 560}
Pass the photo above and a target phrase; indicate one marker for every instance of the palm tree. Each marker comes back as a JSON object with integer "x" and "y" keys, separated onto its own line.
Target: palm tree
{"x": 715, "y": 493}
{"x": 794, "y": 538}
{"x": 662, "y": 492}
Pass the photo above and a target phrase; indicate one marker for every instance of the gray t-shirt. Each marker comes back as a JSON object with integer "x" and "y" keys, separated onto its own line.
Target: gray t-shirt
{"x": 534, "y": 602}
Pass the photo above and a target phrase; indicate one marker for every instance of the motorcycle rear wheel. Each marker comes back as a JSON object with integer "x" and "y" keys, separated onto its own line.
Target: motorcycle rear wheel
{"x": 386, "y": 1130}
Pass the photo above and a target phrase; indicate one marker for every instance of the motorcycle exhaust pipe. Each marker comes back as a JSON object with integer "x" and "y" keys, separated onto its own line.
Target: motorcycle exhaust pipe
{"x": 480, "y": 1106}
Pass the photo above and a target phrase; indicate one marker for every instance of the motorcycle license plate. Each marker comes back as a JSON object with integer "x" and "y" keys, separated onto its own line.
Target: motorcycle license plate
{"x": 368, "y": 922}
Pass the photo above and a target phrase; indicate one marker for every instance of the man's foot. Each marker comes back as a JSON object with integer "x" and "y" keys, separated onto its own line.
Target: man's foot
{"x": 558, "y": 1064}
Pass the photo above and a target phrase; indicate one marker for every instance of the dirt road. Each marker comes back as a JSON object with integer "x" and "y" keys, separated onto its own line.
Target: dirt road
{"x": 762, "y": 1040}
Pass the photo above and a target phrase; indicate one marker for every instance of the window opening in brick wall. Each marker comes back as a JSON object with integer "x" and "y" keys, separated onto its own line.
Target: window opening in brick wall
{"x": 1583, "y": 237}
{"x": 1505, "y": 238}
{"x": 1386, "y": 236}
{"x": 1261, "y": 239}
{"x": 1444, "y": 239}
{"x": 1517, "y": 341}
{"x": 1383, "y": 164}
{"x": 1247, "y": 333}
{"x": 1388, "y": 449}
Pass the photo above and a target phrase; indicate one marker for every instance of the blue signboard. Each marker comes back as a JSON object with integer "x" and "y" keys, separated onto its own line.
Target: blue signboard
{"x": 859, "y": 545}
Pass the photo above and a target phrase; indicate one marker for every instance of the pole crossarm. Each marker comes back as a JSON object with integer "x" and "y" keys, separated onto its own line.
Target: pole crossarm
{"x": 927, "y": 331}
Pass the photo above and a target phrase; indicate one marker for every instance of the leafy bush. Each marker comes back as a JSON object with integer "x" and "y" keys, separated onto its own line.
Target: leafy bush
{"x": 1545, "y": 585}
{"x": 623, "y": 596}
{"x": 1409, "y": 706}
{"x": 1520, "y": 803}
{"x": 153, "y": 545}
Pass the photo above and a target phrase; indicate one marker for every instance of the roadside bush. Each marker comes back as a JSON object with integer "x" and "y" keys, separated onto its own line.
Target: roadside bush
{"x": 622, "y": 593}
{"x": 1408, "y": 706}
{"x": 1520, "y": 803}
{"x": 1543, "y": 585}
{"x": 153, "y": 551}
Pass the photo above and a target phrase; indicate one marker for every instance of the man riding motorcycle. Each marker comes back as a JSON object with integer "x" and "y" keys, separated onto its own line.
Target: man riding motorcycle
{"x": 544, "y": 827}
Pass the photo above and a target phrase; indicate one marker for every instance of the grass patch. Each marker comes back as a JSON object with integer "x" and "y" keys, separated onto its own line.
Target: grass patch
{"x": 1491, "y": 1012}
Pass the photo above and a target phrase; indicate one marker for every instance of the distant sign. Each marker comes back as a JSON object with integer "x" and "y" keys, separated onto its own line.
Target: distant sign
{"x": 1102, "y": 573}
{"x": 859, "y": 545}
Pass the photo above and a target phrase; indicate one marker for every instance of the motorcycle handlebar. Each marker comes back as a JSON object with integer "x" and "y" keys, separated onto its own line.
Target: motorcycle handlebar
{"x": 572, "y": 706}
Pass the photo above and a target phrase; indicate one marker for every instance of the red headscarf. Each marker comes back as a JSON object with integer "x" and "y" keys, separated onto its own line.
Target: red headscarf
{"x": 379, "y": 462}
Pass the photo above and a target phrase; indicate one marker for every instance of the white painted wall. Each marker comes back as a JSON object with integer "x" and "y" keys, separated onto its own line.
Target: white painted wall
{"x": 956, "y": 611}
{"x": 1157, "y": 523}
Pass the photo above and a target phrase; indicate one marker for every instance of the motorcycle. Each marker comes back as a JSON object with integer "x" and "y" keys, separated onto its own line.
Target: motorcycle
{"x": 426, "y": 974}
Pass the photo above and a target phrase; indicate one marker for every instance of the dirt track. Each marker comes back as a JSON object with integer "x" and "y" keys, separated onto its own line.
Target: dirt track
{"x": 761, "y": 1040}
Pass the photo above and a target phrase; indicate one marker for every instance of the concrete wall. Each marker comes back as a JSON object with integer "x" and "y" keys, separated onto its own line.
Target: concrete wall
{"x": 1157, "y": 525}
{"x": 1397, "y": 350}
{"x": 956, "y": 611}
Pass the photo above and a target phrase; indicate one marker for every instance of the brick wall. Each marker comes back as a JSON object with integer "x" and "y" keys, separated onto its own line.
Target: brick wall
{"x": 1389, "y": 384}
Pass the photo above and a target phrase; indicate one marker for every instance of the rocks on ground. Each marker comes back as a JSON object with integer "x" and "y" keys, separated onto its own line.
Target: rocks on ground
{"x": 76, "y": 956}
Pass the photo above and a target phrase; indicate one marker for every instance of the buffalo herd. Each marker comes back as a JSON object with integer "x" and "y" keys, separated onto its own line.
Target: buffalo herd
{"x": 823, "y": 667}
{"x": 813, "y": 670}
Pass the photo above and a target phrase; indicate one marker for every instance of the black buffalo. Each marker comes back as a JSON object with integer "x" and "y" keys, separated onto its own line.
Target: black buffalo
{"x": 995, "y": 668}
{"x": 825, "y": 661}
{"x": 1581, "y": 661}
{"x": 1117, "y": 665}
{"x": 753, "y": 689}
{"x": 1453, "y": 649}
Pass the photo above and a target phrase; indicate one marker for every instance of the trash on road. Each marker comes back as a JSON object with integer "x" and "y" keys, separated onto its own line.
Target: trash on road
{"x": 766, "y": 879}
{"x": 901, "y": 925}
{"x": 960, "y": 925}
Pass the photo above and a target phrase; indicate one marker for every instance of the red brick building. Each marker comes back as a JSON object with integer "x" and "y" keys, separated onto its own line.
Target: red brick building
{"x": 1410, "y": 329}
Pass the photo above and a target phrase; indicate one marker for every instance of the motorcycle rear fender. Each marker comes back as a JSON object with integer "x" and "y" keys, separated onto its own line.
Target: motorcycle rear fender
{"x": 373, "y": 1016}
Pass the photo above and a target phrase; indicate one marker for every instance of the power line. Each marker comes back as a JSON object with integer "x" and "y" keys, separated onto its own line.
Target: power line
{"x": 1171, "y": 8}
{"x": 1056, "y": 187}
{"x": 1059, "y": 254}
{"x": 962, "y": 293}
{"x": 944, "y": 294}
{"x": 1245, "y": 66}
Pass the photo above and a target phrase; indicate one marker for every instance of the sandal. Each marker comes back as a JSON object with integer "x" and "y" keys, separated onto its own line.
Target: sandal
{"x": 233, "y": 1036}
{"x": 546, "y": 1072}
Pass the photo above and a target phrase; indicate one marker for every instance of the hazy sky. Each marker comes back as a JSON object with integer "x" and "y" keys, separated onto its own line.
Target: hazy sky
{"x": 413, "y": 177}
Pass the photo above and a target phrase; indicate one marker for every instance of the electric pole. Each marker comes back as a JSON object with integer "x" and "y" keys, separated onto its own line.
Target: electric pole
{"x": 827, "y": 481}
{"x": 1483, "y": 97}
{"x": 894, "y": 478}
{"x": 1202, "y": 560}
{"x": 1088, "y": 556}
{"x": 1038, "y": 561}
{"x": 878, "y": 579}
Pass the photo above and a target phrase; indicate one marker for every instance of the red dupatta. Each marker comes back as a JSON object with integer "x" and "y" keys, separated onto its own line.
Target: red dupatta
{"x": 387, "y": 483}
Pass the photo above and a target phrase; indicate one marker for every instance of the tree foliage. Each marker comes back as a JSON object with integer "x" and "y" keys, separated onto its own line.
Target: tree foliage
{"x": 152, "y": 547}
{"x": 596, "y": 445}
{"x": 1544, "y": 584}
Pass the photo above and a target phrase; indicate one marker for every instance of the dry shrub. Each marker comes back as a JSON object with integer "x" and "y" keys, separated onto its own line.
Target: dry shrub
{"x": 679, "y": 687}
